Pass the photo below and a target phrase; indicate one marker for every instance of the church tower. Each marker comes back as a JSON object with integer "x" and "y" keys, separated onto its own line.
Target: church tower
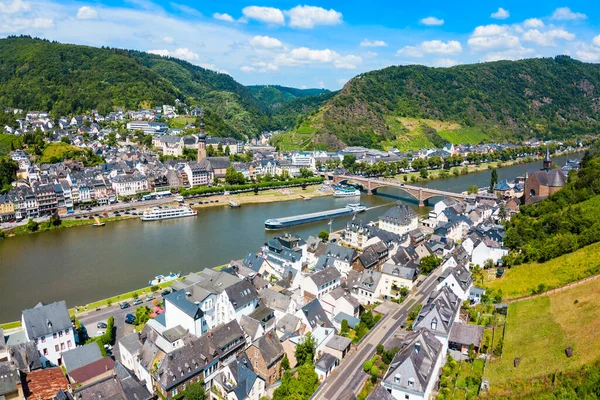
{"x": 201, "y": 140}
{"x": 547, "y": 161}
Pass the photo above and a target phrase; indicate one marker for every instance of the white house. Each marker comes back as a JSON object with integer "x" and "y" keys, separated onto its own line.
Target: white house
{"x": 128, "y": 185}
{"x": 237, "y": 381}
{"x": 49, "y": 326}
{"x": 396, "y": 277}
{"x": 457, "y": 279}
{"x": 320, "y": 283}
{"x": 399, "y": 220}
{"x": 369, "y": 288}
{"x": 439, "y": 314}
{"x": 487, "y": 250}
{"x": 413, "y": 372}
{"x": 338, "y": 301}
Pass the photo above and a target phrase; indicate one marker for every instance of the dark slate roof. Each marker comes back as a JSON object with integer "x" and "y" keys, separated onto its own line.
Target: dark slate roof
{"x": 315, "y": 314}
{"x": 380, "y": 393}
{"x": 188, "y": 361}
{"x": 175, "y": 333}
{"x": 325, "y": 276}
{"x": 249, "y": 325}
{"x": 9, "y": 377}
{"x": 368, "y": 258}
{"x": 241, "y": 294}
{"x": 122, "y": 385}
{"x": 46, "y": 319}
{"x": 401, "y": 214}
{"x": 326, "y": 362}
{"x": 275, "y": 300}
{"x": 228, "y": 335}
{"x": 339, "y": 343}
{"x": 416, "y": 362}
{"x": 270, "y": 347}
{"x": 25, "y": 356}
{"x": 179, "y": 299}
{"x": 340, "y": 252}
{"x": 466, "y": 334}
{"x": 554, "y": 177}
{"x": 81, "y": 356}
{"x": 400, "y": 271}
{"x": 218, "y": 162}
{"x": 253, "y": 261}
{"x": 245, "y": 378}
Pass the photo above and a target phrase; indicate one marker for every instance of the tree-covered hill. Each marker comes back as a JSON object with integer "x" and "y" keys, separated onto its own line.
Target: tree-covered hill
{"x": 66, "y": 79}
{"x": 547, "y": 97}
{"x": 275, "y": 96}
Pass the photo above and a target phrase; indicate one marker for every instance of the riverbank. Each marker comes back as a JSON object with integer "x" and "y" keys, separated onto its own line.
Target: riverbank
{"x": 65, "y": 223}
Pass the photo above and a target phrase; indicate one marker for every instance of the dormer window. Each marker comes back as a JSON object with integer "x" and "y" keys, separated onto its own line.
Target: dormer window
{"x": 411, "y": 382}
{"x": 397, "y": 378}
{"x": 433, "y": 325}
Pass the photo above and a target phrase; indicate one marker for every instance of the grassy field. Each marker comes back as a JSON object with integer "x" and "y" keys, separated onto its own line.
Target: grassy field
{"x": 299, "y": 140}
{"x": 57, "y": 150}
{"x": 538, "y": 330}
{"x": 6, "y": 141}
{"x": 463, "y": 135}
{"x": 180, "y": 122}
{"x": 66, "y": 223}
{"x": 520, "y": 280}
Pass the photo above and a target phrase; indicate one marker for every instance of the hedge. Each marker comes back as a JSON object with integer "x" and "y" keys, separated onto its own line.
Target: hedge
{"x": 201, "y": 190}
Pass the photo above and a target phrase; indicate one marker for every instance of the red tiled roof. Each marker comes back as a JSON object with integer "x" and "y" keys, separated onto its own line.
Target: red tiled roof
{"x": 92, "y": 370}
{"x": 44, "y": 383}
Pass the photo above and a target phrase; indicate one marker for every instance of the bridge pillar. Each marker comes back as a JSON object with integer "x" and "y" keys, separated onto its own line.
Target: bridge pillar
{"x": 369, "y": 190}
{"x": 421, "y": 201}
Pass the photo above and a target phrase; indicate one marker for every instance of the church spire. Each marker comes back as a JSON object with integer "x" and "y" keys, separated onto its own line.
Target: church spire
{"x": 547, "y": 160}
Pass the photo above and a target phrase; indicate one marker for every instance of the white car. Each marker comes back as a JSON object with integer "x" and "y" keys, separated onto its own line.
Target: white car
{"x": 100, "y": 333}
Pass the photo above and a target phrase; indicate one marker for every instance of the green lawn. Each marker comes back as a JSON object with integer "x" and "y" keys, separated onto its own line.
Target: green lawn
{"x": 6, "y": 141}
{"x": 538, "y": 330}
{"x": 300, "y": 140}
{"x": 180, "y": 122}
{"x": 520, "y": 280}
{"x": 57, "y": 150}
{"x": 463, "y": 135}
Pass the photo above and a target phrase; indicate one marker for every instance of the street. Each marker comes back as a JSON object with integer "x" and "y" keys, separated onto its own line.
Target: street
{"x": 349, "y": 376}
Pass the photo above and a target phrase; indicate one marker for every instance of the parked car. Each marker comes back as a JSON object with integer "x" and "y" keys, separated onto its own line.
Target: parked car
{"x": 100, "y": 333}
{"x": 165, "y": 292}
{"x": 130, "y": 319}
{"x": 137, "y": 302}
{"x": 149, "y": 298}
{"x": 125, "y": 305}
{"x": 101, "y": 325}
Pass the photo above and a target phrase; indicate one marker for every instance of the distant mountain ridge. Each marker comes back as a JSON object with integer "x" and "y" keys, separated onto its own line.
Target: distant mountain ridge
{"x": 547, "y": 97}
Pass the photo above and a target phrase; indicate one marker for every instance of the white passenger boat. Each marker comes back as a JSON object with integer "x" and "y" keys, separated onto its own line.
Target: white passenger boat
{"x": 159, "y": 213}
{"x": 346, "y": 192}
{"x": 162, "y": 279}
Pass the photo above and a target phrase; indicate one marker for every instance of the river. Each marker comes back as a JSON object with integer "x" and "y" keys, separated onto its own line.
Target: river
{"x": 85, "y": 264}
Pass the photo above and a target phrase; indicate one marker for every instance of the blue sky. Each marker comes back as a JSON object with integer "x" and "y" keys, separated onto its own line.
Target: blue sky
{"x": 318, "y": 43}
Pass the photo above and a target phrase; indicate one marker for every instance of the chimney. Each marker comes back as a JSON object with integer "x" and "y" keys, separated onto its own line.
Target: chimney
{"x": 269, "y": 335}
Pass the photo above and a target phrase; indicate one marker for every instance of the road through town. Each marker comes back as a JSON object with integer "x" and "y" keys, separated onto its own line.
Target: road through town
{"x": 349, "y": 377}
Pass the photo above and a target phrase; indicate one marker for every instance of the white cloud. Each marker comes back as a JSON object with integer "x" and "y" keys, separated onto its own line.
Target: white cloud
{"x": 372, "y": 43}
{"x": 410, "y": 51}
{"x": 265, "y": 42}
{"x": 269, "y": 15}
{"x": 596, "y": 41}
{"x": 14, "y": 7}
{"x": 182, "y": 53}
{"x": 223, "y": 17}
{"x": 533, "y": 23}
{"x": 587, "y": 56}
{"x": 503, "y": 41}
{"x": 547, "y": 38}
{"x": 565, "y": 13}
{"x": 490, "y": 30}
{"x": 347, "y": 62}
{"x": 310, "y": 16}
{"x": 86, "y": 12}
{"x": 451, "y": 47}
{"x": 186, "y": 9}
{"x": 509, "y": 54}
{"x": 432, "y": 21}
{"x": 167, "y": 39}
{"x": 306, "y": 54}
{"x": 444, "y": 62}
{"x": 260, "y": 66}
{"x": 500, "y": 14}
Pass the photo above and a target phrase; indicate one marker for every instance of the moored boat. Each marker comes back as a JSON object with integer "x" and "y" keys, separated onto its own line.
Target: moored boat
{"x": 346, "y": 192}
{"x": 281, "y": 223}
{"x": 162, "y": 279}
{"x": 160, "y": 213}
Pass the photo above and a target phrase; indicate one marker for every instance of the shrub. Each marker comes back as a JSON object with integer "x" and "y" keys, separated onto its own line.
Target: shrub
{"x": 367, "y": 366}
{"x": 379, "y": 349}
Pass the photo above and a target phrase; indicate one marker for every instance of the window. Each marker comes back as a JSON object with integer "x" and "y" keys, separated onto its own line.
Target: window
{"x": 45, "y": 351}
{"x": 62, "y": 346}
{"x": 411, "y": 382}
{"x": 43, "y": 339}
{"x": 66, "y": 332}
{"x": 56, "y": 348}
{"x": 174, "y": 392}
{"x": 54, "y": 335}
{"x": 68, "y": 343}
{"x": 59, "y": 334}
{"x": 406, "y": 396}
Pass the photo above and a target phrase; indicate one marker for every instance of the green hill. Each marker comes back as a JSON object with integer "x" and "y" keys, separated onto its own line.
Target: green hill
{"x": 548, "y": 97}
{"x": 275, "y": 96}
{"x": 66, "y": 79}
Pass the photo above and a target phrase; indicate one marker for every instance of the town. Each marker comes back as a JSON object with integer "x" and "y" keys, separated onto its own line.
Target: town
{"x": 393, "y": 297}
{"x": 102, "y": 162}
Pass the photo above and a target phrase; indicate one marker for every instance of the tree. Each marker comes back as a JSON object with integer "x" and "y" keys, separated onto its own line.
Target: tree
{"x": 142, "y": 315}
{"x": 349, "y": 162}
{"x": 473, "y": 189}
{"x": 344, "y": 329}
{"x": 55, "y": 219}
{"x": 32, "y": 226}
{"x": 493, "y": 179}
{"x": 305, "y": 350}
{"x": 232, "y": 177}
{"x": 502, "y": 214}
{"x": 379, "y": 349}
{"x": 429, "y": 263}
{"x": 423, "y": 172}
{"x": 194, "y": 391}
{"x": 306, "y": 173}
{"x": 8, "y": 173}
{"x": 285, "y": 363}
{"x": 324, "y": 235}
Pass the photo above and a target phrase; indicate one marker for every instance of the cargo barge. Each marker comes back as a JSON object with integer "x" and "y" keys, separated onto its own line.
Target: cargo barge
{"x": 287, "y": 222}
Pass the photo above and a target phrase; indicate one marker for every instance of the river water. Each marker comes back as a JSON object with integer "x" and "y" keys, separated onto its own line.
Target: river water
{"x": 85, "y": 264}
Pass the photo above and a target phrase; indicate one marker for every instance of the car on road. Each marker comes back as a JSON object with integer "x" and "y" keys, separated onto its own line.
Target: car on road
{"x": 125, "y": 305}
{"x": 130, "y": 319}
{"x": 101, "y": 325}
{"x": 100, "y": 333}
{"x": 137, "y": 302}
{"x": 165, "y": 292}
{"x": 149, "y": 298}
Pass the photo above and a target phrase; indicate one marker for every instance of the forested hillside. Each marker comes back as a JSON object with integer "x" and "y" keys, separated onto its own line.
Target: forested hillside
{"x": 275, "y": 96}
{"x": 549, "y": 97}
